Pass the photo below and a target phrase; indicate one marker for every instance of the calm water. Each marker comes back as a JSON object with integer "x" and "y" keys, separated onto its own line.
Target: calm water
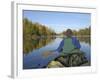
{"x": 34, "y": 58}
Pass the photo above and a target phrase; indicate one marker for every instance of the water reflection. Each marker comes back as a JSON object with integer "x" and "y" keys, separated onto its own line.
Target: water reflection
{"x": 85, "y": 39}
{"x": 33, "y": 44}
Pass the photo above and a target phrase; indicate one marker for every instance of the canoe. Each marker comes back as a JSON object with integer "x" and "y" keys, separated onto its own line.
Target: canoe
{"x": 70, "y": 60}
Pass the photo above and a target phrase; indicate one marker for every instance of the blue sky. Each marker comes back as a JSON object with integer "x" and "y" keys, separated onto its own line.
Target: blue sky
{"x": 59, "y": 21}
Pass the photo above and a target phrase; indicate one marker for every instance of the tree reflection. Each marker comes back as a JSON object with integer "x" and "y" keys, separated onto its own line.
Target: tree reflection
{"x": 33, "y": 44}
{"x": 85, "y": 39}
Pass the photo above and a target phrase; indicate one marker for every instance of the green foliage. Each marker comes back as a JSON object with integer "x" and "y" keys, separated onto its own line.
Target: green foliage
{"x": 36, "y": 28}
{"x": 82, "y": 32}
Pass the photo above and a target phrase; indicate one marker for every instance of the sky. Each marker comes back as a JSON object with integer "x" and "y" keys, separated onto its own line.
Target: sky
{"x": 59, "y": 21}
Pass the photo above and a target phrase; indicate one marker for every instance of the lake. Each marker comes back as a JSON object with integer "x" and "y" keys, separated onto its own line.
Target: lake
{"x": 33, "y": 59}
